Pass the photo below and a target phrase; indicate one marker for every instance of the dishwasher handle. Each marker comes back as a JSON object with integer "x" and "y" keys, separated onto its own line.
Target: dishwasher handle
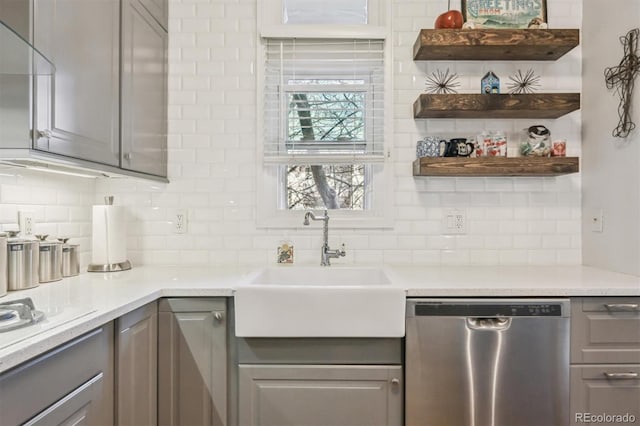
{"x": 489, "y": 324}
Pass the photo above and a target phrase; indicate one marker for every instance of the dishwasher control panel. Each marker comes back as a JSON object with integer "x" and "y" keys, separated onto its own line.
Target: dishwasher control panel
{"x": 488, "y": 309}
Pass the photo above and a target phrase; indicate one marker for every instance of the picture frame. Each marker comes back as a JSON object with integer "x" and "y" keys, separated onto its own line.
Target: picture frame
{"x": 503, "y": 13}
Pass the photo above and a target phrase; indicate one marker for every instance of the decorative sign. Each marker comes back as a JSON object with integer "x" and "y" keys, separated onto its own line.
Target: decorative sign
{"x": 504, "y": 13}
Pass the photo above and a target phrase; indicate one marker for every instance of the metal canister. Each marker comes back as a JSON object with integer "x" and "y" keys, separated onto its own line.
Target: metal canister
{"x": 3, "y": 264}
{"x": 50, "y": 261}
{"x": 22, "y": 263}
{"x": 70, "y": 263}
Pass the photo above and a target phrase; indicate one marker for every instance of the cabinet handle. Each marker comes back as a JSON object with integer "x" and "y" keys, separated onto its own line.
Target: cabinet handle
{"x": 622, "y": 307}
{"x": 46, "y": 133}
{"x": 621, "y": 376}
{"x": 395, "y": 382}
{"x": 128, "y": 156}
{"x": 218, "y": 316}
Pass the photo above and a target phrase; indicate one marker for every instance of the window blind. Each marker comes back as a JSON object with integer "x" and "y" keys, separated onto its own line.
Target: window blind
{"x": 323, "y": 101}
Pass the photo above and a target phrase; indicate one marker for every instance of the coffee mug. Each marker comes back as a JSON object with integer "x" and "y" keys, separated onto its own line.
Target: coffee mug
{"x": 428, "y": 147}
{"x": 457, "y": 147}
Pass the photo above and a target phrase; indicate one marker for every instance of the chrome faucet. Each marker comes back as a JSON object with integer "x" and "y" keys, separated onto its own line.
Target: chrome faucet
{"x": 326, "y": 254}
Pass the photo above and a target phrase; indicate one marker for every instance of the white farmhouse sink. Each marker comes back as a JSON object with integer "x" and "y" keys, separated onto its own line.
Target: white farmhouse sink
{"x": 319, "y": 302}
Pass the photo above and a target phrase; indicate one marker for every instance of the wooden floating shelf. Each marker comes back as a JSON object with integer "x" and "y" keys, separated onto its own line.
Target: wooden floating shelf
{"x": 494, "y": 44}
{"x": 495, "y": 166}
{"x": 537, "y": 105}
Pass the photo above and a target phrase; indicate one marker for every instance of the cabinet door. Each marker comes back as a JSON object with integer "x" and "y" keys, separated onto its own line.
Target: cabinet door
{"x": 136, "y": 367}
{"x": 77, "y": 109}
{"x": 192, "y": 382}
{"x": 605, "y": 330}
{"x": 144, "y": 91}
{"x": 320, "y": 395}
{"x": 159, "y": 9}
{"x": 612, "y": 390}
{"x": 75, "y": 409}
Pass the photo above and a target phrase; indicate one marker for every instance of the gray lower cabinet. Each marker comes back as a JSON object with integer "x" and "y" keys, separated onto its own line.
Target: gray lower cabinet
{"x": 77, "y": 110}
{"x": 136, "y": 349}
{"x": 605, "y": 359}
{"x": 144, "y": 90}
{"x": 192, "y": 364}
{"x": 69, "y": 385}
{"x": 320, "y": 395}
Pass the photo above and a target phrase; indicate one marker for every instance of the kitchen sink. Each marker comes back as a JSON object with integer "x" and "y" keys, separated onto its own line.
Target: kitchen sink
{"x": 319, "y": 302}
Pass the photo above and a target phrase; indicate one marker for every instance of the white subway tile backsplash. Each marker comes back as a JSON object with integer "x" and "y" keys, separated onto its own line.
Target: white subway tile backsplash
{"x": 213, "y": 169}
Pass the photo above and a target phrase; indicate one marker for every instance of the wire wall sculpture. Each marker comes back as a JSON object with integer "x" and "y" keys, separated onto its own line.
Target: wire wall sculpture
{"x": 622, "y": 78}
{"x": 527, "y": 82}
{"x": 442, "y": 82}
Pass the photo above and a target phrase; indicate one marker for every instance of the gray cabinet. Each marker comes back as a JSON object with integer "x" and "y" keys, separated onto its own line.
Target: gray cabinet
{"x": 69, "y": 385}
{"x": 159, "y": 9}
{"x": 144, "y": 90}
{"x": 77, "y": 110}
{"x": 320, "y": 395}
{"x": 605, "y": 358}
{"x": 192, "y": 364}
{"x": 612, "y": 389}
{"x": 137, "y": 367}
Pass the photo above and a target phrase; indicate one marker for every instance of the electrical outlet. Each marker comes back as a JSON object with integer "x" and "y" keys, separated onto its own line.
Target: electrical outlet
{"x": 180, "y": 220}
{"x": 596, "y": 220}
{"x": 26, "y": 222}
{"x": 455, "y": 221}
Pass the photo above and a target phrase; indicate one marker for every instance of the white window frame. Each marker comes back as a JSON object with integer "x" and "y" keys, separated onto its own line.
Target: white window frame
{"x": 269, "y": 180}
{"x": 270, "y": 23}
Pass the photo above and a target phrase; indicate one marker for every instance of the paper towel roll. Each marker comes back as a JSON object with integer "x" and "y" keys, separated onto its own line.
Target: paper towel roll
{"x": 109, "y": 243}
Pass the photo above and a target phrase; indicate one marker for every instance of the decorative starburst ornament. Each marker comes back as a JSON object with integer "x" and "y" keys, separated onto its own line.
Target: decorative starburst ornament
{"x": 442, "y": 82}
{"x": 524, "y": 83}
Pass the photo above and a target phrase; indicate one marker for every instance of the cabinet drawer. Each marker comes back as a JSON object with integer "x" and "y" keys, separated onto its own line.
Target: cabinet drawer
{"x": 605, "y": 330}
{"x": 609, "y": 390}
{"x": 35, "y": 385}
{"x": 329, "y": 395}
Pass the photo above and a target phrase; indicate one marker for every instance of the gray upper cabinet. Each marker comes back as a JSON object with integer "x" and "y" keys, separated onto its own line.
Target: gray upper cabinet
{"x": 159, "y": 9}
{"x": 144, "y": 91}
{"x": 77, "y": 110}
{"x": 137, "y": 367}
{"x": 320, "y": 395}
{"x": 192, "y": 365}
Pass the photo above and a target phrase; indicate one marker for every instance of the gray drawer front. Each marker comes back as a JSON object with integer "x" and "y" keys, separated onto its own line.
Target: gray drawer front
{"x": 196, "y": 304}
{"x": 593, "y": 393}
{"x": 367, "y": 351}
{"x": 605, "y": 330}
{"x": 35, "y": 385}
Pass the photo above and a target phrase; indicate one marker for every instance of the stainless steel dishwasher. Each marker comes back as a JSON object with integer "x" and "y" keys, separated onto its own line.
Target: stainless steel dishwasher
{"x": 487, "y": 362}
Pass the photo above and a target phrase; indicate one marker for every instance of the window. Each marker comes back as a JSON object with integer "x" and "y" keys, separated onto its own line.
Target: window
{"x": 323, "y": 128}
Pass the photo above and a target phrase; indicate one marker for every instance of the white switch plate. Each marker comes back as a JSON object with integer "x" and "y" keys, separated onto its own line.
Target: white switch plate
{"x": 596, "y": 220}
{"x": 180, "y": 221}
{"x": 26, "y": 222}
{"x": 454, "y": 221}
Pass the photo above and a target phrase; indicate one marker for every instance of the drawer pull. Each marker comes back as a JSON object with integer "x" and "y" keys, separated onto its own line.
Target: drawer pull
{"x": 621, "y": 376}
{"x": 622, "y": 307}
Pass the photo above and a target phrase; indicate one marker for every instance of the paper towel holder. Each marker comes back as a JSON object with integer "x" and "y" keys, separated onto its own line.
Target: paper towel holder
{"x": 109, "y": 267}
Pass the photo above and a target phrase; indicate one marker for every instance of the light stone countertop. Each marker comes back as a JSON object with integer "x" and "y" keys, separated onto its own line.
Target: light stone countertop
{"x": 79, "y": 304}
